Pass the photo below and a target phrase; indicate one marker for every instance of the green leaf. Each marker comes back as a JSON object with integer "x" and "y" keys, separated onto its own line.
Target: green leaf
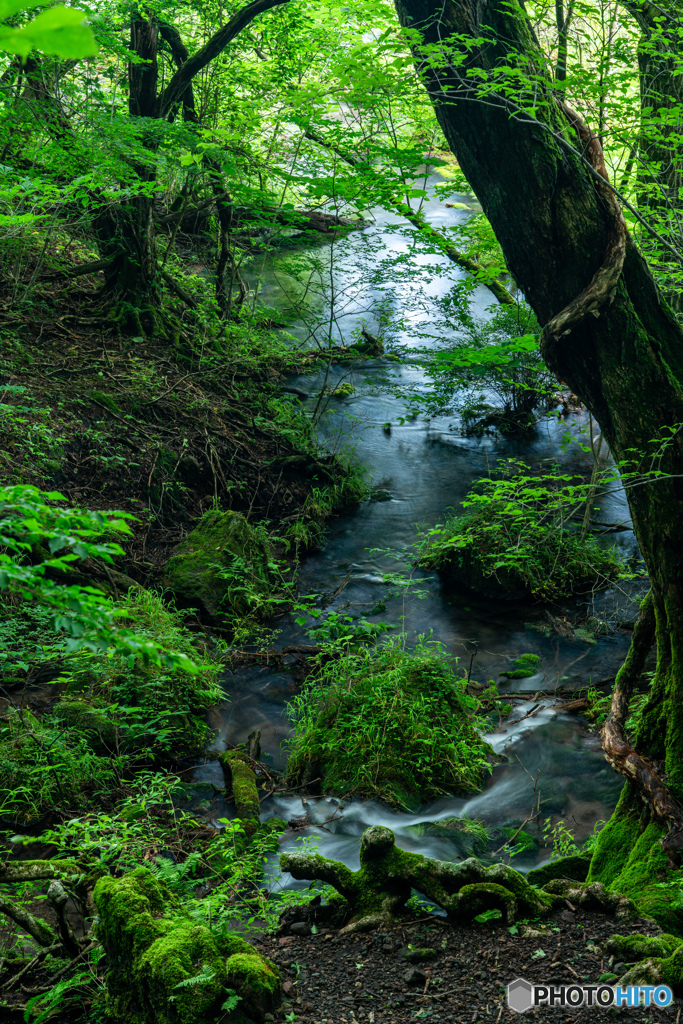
{"x": 59, "y": 30}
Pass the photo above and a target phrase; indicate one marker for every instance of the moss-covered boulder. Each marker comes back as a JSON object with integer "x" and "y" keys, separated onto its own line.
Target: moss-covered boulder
{"x": 223, "y": 566}
{"x": 92, "y": 717}
{"x": 164, "y": 968}
{"x": 574, "y": 867}
{"x": 397, "y": 726}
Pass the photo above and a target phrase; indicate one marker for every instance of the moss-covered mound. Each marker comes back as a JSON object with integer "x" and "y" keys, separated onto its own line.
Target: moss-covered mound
{"x": 395, "y": 726}
{"x": 223, "y": 566}
{"x": 164, "y": 968}
{"x": 575, "y": 867}
{"x": 512, "y": 541}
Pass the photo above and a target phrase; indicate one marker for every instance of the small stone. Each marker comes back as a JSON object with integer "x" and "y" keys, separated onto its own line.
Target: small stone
{"x": 300, "y": 928}
{"x": 287, "y": 987}
{"x": 418, "y": 956}
{"x": 415, "y": 976}
{"x": 619, "y": 969}
{"x": 566, "y": 917}
{"x": 328, "y": 936}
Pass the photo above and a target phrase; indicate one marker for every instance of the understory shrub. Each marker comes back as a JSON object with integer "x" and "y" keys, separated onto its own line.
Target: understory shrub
{"x": 393, "y": 725}
{"x": 518, "y": 537}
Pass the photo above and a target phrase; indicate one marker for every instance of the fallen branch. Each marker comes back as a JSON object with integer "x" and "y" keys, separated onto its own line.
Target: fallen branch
{"x": 419, "y": 221}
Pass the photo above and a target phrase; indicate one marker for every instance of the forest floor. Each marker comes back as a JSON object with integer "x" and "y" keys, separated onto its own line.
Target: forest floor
{"x": 161, "y": 429}
{"x": 337, "y": 979}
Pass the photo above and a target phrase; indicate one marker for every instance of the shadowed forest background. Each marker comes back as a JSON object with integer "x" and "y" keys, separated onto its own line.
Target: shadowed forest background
{"x": 341, "y": 581}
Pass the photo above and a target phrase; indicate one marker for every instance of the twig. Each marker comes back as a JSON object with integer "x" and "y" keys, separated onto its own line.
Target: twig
{"x": 32, "y": 963}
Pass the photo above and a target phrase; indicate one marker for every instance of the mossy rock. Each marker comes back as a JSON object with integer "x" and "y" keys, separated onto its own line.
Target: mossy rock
{"x": 164, "y": 968}
{"x": 257, "y": 980}
{"x": 91, "y": 717}
{"x": 574, "y": 867}
{"x": 221, "y": 567}
{"x": 523, "y": 667}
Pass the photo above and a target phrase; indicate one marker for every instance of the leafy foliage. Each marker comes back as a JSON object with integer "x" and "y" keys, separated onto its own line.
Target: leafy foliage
{"x": 517, "y": 535}
{"x": 390, "y": 724}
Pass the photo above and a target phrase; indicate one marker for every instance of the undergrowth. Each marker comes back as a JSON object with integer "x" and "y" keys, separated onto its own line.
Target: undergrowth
{"x": 518, "y": 536}
{"x": 390, "y": 724}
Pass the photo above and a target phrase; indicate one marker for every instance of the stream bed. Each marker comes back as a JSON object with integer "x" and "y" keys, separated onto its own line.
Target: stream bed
{"x": 417, "y": 470}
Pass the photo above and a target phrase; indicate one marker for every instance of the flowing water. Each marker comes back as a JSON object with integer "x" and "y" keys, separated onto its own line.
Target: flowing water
{"x": 418, "y": 470}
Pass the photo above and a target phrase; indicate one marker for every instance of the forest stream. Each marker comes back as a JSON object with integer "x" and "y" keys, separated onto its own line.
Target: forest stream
{"x": 418, "y": 469}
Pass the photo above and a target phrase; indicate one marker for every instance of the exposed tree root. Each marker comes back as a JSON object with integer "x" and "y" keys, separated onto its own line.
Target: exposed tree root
{"x": 377, "y": 893}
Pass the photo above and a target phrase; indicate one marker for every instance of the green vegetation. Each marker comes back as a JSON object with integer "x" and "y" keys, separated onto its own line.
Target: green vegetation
{"x": 180, "y": 188}
{"x": 517, "y": 537}
{"x": 391, "y": 724}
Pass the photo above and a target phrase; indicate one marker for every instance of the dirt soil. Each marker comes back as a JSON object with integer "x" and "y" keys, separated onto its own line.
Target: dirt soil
{"x": 335, "y": 979}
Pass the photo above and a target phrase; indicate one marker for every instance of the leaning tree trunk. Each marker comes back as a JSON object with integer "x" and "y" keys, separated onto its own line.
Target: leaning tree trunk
{"x": 539, "y": 179}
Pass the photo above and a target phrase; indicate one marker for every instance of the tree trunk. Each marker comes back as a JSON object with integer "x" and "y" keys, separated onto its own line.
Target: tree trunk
{"x": 564, "y": 242}
{"x": 660, "y": 170}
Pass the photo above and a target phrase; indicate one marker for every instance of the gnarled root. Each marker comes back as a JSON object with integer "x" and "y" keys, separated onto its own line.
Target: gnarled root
{"x": 593, "y": 896}
{"x": 379, "y": 891}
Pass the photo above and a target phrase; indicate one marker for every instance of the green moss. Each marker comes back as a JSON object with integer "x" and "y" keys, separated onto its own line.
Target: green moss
{"x": 381, "y": 888}
{"x": 630, "y": 948}
{"x": 187, "y": 951}
{"x": 241, "y": 779}
{"x": 629, "y": 859}
{"x": 575, "y": 867}
{"x": 523, "y": 667}
{"x": 92, "y": 718}
{"x": 223, "y": 566}
{"x": 395, "y": 726}
{"x": 257, "y": 980}
{"x": 164, "y": 968}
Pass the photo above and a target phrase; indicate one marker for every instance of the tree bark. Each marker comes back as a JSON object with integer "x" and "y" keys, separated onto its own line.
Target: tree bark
{"x": 621, "y": 349}
{"x": 126, "y": 232}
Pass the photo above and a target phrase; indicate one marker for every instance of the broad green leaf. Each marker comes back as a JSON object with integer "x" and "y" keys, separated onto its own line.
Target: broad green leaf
{"x": 59, "y": 30}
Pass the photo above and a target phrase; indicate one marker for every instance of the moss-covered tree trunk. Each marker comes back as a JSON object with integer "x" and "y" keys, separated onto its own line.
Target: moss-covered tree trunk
{"x": 537, "y": 176}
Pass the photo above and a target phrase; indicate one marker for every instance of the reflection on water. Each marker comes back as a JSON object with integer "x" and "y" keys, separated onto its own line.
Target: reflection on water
{"x": 419, "y": 469}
